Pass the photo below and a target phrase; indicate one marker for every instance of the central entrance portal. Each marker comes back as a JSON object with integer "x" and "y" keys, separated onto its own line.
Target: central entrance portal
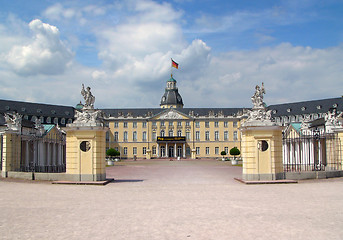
{"x": 171, "y": 147}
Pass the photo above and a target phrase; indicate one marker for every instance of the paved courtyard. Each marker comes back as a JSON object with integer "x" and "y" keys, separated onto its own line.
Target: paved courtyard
{"x": 160, "y": 199}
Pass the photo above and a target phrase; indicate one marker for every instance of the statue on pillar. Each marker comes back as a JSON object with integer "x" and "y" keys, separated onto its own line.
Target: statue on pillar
{"x": 88, "y": 116}
{"x": 257, "y": 98}
{"x": 259, "y": 115}
{"x": 88, "y": 96}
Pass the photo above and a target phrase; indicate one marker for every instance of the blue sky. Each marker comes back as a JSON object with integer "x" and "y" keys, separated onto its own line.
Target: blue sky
{"x": 122, "y": 49}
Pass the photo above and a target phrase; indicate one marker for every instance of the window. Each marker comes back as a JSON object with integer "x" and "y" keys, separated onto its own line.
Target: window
{"x": 125, "y": 136}
{"x": 207, "y": 124}
{"x": 154, "y": 150}
{"x": 116, "y": 136}
{"x": 125, "y": 124}
{"x": 125, "y": 150}
{"x": 154, "y": 136}
{"x": 33, "y": 118}
{"x": 69, "y": 120}
{"x": 216, "y": 150}
{"x": 197, "y": 135}
{"x": 234, "y": 124}
{"x": 187, "y": 124}
{"x": 115, "y": 124}
{"x": 154, "y": 124}
{"x": 207, "y": 135}
{"x": 225, "y": 124}
{"x": 144, "y": 124}
{"x": 216, "y": 135}
{"x": 63, "y": 121}
{"x": 179, "y": 133}
{"x": 134, "y": 124}
{"x": 162, "y": 133}
{"x": 197, "y": 150}
{"x": 134, "y": 136}
{"x": 107, "y": 136}
{"x": 188, "y": 151}
{"x": 116, "y": 148}
{"x": 56, "y": 120}
{"x": 41, "y": 119}
{"x": 170, "y": 124}
{"x": 188, "y": 136}
{"x": 162, "y": 123}
{"x": 207, "y": 150}
{"x": 179, "y": 124}
{"x": 144, "y": 150}
{"x": 144, "y": 136}
{"x": 134, "y": 150}
{"x": 48, "y": 120}
{"x": 197, "y": 124}
{"x": 226, "y": 135}
{"x": 226, "y": 149}
{"x": 170, "y": 134}
{"x": 216, "y": 124}
{"x": 235, "y": 137}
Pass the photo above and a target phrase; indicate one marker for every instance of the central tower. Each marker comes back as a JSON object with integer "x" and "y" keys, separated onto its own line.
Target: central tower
{"x": 171, "y": 97}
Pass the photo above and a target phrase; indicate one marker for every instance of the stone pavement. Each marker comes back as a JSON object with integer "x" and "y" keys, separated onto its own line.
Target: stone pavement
{"x": 159, "y": 199}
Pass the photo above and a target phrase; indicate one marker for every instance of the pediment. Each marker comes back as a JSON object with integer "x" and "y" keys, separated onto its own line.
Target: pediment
{"x": 171, "y": 114}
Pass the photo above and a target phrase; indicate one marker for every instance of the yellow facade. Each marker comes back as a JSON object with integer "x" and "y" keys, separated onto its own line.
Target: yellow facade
{"x": 207, "y": 137}
{"x": 85, "y": 154}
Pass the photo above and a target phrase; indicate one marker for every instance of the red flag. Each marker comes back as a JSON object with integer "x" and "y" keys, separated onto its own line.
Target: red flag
{"x": 174, "y": 64}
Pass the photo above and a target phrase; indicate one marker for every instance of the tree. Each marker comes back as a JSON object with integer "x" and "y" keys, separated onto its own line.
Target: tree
{"x": 234, "y": 152}
{"x": 112, "y": 152}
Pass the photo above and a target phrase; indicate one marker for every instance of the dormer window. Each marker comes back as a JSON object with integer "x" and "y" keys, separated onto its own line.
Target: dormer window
{"x": 66, "y": 112}
{"x": 274, "y": 111}
{"x": 39, "y": 110}
{"x": 303, "y": 108}
{"x": 23, "y": 109}
{"x": 7, "y": 108}
{"x": 319, "y": 107}
{"x": 289, "y": 110}
{"x": 335, "y": 105}
{"x": 53, "y": 111}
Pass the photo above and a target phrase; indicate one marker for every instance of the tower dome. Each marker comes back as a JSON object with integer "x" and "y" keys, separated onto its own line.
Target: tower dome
{"x": 171, "y": 97}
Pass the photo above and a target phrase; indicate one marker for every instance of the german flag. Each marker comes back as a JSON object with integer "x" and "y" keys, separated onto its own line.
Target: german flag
{"x": 174, "y": 64}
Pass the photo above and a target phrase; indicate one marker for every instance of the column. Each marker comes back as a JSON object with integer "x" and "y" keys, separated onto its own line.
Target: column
{"x": 158, "y": 150}
{"x": 167, "y": 150}
{"x": 184, "y": 150}
{"x": 175, "y": 150}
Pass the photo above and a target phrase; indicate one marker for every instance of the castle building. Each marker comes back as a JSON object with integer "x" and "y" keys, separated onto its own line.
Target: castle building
{"x": 173, "y": 131}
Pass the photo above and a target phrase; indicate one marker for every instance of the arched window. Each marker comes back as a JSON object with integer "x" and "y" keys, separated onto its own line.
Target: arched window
{"x": 162, "y": 133}
{"x": 170, "y": 134}
{"x": 179, "y": 133}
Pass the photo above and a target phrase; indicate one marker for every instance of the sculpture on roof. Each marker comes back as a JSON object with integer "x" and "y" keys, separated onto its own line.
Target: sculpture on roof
{"x": 13, "y": 121}
{"x": 88, "y": 96}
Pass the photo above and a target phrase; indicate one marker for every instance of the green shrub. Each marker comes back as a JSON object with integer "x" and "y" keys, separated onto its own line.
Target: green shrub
{"x": 234, "y": 152}
{"x": 223, "y": 153}
{"x": 112, "y": 152}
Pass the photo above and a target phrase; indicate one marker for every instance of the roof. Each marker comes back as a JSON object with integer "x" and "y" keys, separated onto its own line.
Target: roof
{"x": 145, "y": 112}
{"x": 36, "y": 109}
{"x": 171, "y": 97}
{"x": 296, "y": 126}
{"x": 48, "y": 127}
{"x": 306, "y": 107}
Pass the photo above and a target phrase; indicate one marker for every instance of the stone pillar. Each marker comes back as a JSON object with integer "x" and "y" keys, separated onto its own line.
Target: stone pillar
{"x": 148, "y": 154}
{"x": 194, "y": 153}
{"x": 262, "y": 153}
{"x": 158, "y": 150}
{"x": 184, "y": 150}
{"x": 167, "y": 150}
{"x": 11, "y": 152}
{"x": 86, "y": 153}
{"x": 339, "y": 154}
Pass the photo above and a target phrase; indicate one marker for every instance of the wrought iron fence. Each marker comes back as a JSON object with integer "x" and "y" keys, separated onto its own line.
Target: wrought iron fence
{"x": 313, "y": 151}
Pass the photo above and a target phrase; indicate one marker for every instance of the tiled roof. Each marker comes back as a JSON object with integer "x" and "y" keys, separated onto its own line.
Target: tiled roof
{"x": 36, "y": 109}
{"x": 306, "y": 107}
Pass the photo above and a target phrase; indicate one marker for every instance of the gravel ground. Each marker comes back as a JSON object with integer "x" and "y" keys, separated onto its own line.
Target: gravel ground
{"x": 159, "y": 199}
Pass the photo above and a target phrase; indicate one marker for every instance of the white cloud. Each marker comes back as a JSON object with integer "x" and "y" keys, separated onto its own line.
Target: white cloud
{"x": 45, "y": 54}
